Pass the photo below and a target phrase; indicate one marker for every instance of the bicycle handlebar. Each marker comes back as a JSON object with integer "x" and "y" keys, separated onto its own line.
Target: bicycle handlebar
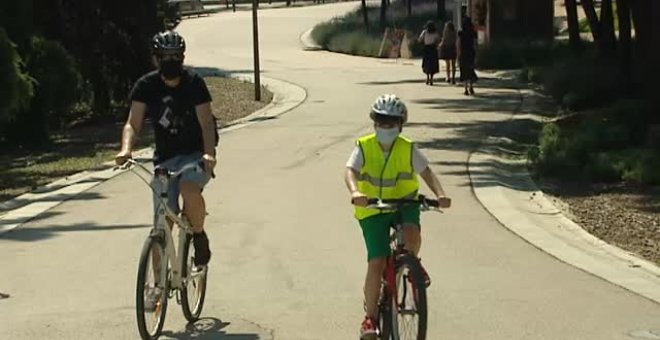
{"x": 395, "y": 204}
{"x": 197, "y": 166}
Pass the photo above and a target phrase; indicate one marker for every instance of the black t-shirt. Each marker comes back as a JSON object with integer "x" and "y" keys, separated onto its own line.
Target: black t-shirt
{"x": 172, "y": 112}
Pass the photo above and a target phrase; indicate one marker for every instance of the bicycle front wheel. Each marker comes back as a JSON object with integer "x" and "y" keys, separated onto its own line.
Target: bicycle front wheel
{"x": 410, "y": 312}
{"x": 385, "y": 307}
{"x": 193, "y": 287}
{"x": 152, "y": 289}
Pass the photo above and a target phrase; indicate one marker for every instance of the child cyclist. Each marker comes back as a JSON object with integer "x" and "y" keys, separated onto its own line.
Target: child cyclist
{"x": 385, "y": 165}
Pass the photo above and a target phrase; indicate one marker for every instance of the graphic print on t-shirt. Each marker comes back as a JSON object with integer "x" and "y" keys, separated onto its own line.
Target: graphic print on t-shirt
{"x": 168, "y": 120}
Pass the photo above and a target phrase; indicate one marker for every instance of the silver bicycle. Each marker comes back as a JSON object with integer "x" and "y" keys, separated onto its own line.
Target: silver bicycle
{"x": 164, "y": 272}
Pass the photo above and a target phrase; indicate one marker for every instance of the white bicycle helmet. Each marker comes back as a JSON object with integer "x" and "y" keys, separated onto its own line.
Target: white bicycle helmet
{"x": 389, "y": 105}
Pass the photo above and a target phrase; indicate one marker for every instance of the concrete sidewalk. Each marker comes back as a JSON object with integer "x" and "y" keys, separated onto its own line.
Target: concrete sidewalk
{"x": 504, "y": 187}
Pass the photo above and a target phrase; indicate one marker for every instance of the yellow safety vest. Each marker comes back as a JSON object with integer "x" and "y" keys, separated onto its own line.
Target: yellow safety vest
{"x": 385, "y": 178}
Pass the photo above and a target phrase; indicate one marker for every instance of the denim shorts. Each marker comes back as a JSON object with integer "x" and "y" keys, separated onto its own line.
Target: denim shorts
{"x": 174, "y": 164}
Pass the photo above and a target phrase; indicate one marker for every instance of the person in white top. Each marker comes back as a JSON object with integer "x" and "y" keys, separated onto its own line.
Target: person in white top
{"x": 430, "y": 39}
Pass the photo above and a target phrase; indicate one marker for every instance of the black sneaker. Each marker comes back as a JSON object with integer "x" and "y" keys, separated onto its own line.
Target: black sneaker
{"x": 202, "y": 251}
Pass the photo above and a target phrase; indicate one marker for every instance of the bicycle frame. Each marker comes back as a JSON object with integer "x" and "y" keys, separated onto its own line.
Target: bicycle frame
{"x": 162, "y": 230}
{"x": 389, "y": 275}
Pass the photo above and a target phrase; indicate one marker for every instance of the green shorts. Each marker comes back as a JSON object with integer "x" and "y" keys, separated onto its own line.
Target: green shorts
{"x": 376, "y": 229}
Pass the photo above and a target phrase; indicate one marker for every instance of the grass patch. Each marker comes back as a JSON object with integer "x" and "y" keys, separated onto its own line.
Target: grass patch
{"x": 88, "y": 146}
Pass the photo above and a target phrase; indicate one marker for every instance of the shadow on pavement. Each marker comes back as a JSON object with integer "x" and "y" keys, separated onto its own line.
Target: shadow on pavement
{"x": 501, "y": 124}
{"x": 27, "y": 233}
{"x": 403, "y": 81}
{"x": 214, "y": 71}
{"x": 208, "y": 329}
{"x": 83, "y": 196}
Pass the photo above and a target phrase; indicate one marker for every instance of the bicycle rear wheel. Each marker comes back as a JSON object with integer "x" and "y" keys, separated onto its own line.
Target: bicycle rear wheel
{"x": 411, "y": 309}
{"x": 193, "y": 287}
{"x": 152, "y": 289}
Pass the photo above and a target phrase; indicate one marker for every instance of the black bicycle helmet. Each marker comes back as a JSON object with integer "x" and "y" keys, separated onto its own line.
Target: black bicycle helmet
{"x": 168, "y": 42}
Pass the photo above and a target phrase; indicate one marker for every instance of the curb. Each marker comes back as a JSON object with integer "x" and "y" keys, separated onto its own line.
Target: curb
{"x": 308, "y": 42}
{"x": 534, "y": 218}
{"x": 22, "y": 209}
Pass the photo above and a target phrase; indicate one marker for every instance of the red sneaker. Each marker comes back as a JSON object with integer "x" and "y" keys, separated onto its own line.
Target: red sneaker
{"x": 368, "y": 330}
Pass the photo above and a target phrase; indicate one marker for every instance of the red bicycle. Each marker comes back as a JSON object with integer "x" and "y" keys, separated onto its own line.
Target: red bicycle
{"x": 402, "y": 307}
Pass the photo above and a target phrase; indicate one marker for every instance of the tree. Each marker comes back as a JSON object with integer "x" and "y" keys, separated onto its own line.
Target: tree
{"x": 607, "y": 34}
{"x": 625, "y": 41}
{"x": 383, "y": 13}
{"x": 365, "y": 15}
{"x": 654, "y": 73}
{"x": 592, "y": 18}
{"x": 441, "y": 9}
{"x": 16, "y": 18}
{"x": 573, "y": 25}
{"x": 110, "y": 44}
{"x": 16, "y": 87}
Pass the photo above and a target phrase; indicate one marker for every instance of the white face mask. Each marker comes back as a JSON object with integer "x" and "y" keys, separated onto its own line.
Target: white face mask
{"x": 387, "y": 136}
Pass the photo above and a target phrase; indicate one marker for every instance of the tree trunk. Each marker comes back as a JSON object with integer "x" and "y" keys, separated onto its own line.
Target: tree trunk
{"x": 623, "y": 12}
{"x": 409, "y": 8}
{"x": 383, "y": 13}
{"x": 655, "y": 56}
{"x": 592, "y": 18}
{"x": 573, "y": 25}
{"x": 441, "y": 9}
{"x": 364, "y": 14}
{"x": 607, "y": 35}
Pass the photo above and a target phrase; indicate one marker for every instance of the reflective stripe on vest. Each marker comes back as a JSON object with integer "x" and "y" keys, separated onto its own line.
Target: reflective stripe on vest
{"x": 385, "y": 178}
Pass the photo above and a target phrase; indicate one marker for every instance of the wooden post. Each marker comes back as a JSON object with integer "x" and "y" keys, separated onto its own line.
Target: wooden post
{"x": 255, "y": 39}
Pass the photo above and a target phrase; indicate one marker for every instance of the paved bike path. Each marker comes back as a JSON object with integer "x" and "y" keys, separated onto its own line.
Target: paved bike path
{"x": 288, "y": 257}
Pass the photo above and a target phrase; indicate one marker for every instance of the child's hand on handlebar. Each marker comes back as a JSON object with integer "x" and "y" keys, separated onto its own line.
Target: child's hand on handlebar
{"x": 359, "y": 199}
{"x": 444, "y": 202}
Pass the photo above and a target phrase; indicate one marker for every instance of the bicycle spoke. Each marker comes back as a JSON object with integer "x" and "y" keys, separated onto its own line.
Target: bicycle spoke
{"x": 407, "y": 316}
{"x": 153, "y": 294}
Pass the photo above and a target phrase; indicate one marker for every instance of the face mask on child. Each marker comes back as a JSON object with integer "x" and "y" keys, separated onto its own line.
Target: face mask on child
{"x": 387, "y": 136}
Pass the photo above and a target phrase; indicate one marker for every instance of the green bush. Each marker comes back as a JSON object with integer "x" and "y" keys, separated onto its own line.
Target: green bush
{"x": 16, "y": 88}
{"x": 582, "y": 82}
{"x": 604, "y": 167}
{"x": 59, "y": 83}
{"x": 57, "y": 90}
{"x": 643, "y": 167}
{"x": 598, "y": 150}
{"x": 355, "y": 43}
{"x": 345, "y": 34}
{"x": 532, "y": 74}
{"x": 554, "y": 158}
{"x": 514, "y": 54}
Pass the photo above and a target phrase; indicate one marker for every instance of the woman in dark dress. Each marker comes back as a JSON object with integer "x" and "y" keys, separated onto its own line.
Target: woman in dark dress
{"x": 430, "y": 64}
{"x": 467, "y": 53}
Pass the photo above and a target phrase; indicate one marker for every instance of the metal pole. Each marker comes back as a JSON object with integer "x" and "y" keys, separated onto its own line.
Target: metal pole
{"x": 255, "y": 39}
